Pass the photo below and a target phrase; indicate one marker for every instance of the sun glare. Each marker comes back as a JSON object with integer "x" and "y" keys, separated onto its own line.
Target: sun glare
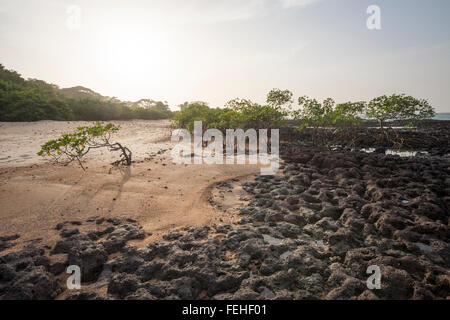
{"x": 129, "y": 50}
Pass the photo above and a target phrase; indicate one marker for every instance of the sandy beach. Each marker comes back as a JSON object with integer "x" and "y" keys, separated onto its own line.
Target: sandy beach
{"x": 36, "y": 195}
{"x": 20, "y": 141}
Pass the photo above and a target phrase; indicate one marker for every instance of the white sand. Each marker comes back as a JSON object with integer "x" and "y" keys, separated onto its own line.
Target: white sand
{"x": 20, "y": 141}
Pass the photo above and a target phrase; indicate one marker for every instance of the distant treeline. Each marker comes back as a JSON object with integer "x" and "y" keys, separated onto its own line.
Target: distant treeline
{"x": 308, "y": 113}
{"x": 33, "y": 100}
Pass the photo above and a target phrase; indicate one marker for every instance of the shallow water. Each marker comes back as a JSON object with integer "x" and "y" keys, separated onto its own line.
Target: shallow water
{"x": 442, "y": 116}
{"x": 401, "y": 153}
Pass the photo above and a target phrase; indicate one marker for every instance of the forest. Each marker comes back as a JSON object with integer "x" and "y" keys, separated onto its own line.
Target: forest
{"x": 33, "y": 100}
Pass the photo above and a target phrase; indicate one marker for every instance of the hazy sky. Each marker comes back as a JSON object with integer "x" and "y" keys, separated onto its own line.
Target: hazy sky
{"x": 216, "y": 50}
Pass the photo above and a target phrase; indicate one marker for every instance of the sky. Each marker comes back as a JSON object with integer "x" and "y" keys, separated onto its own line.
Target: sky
{"x": 218, "y": 50}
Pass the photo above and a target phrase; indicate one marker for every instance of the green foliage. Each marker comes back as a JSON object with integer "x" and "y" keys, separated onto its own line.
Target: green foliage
{"x": 33, "y": 100}
{"x": 19, "y": 103}
{"x": 344, "y": 118}
{"x": 73, "y": 146}
{"x": 238, "y": 113}
{"x": 278, "y": 98}
{"x": 80, "y": 92}
{"x": 196, "y": 111}
{"x": 151, "y": 110}
{"x": 313, "y": 113}
{"x": 348, "y": 114}
{"x": 11, "y": 76}
{"x": 256, "y": 116}
{"x": 409, "y": 125}
{"x": 398, "y": 106}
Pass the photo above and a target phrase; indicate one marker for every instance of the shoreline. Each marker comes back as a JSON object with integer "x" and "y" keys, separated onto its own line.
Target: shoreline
{"x": 309, "y": 232}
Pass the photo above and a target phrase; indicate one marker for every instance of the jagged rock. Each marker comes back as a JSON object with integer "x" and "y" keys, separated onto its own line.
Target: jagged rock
{"x": 117, "y": 239}
{"x": 66, "y": 233}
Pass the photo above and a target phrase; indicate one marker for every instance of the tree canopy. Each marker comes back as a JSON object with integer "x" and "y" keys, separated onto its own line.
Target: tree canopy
{"x": 33, "y": 100}
{"x": 398, "y": 106}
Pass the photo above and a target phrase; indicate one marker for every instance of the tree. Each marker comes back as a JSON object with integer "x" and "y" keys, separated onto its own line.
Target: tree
{"x": 11, "y": 76}
{"x": 256, "y": 116}
{"x": 238, "y": 113}
{"x": 45, "y": 88}
{"x": 348, "y": 114}
{"x": 398, "y": 107}
{"x": 313, "y": 113}
{"x": 344, "y": 119}
{"x": 347, "y": 118}
{"x": 278, "y": 98}
{"x": 74, "y": 146}
{"x": 194, "y": 111}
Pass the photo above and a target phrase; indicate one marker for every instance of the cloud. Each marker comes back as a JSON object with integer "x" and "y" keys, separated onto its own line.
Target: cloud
{"x": 207, "y": 11}
{"x": 296, "y": 3}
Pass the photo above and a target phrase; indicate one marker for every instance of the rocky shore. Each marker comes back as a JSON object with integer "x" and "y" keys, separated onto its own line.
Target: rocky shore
{"x": 308, "y": 233}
